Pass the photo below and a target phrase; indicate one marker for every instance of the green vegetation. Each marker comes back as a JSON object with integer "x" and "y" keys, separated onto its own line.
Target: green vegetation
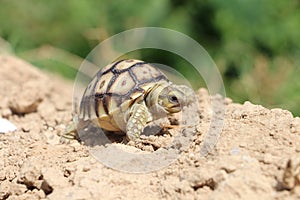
{"x": 254, "y": 43}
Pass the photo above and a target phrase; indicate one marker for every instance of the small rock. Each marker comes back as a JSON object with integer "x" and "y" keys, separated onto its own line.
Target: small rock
{"x": 52, "y": 139}
{"x": 293, "y": 130}
{"x": 76, "y": 146}
{"x": 235, "y": 151}
{"x": 6, "y": 112}
{"x": 86, "y": 168}
{"x": 30, "y": 195}
{"x": 39, "y": 193}
{"x": 5, "y": 190}
{"x": 220, "y": 176}
{"x": 27, "y": 127}
{"x": 27, "y": 97}
{"x": 148, "y": 148}
{"x": 54, "y": 177}
{"x": 6, "y": 126}
{"x": 228, "y": 101}
{"x": 10, "y": 175}
{"x": 2, "y": 175}
{"x": 191, "y": 156}
{"x": 74, "y": 193}
{"x": 30, "y": 176}
{"x": 24, "y": 107}
{"x": 17, "y": 189}
{"x": 46, "y": 187}
{"x": 268, "y": 158}
{"x": 46, "y": 109}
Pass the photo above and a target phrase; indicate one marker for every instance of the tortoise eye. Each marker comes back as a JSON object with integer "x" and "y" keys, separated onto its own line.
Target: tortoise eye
{"x": 173, "y": 99}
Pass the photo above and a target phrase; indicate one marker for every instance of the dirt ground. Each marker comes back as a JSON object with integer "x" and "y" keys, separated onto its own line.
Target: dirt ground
{"x": 255, "y": 156}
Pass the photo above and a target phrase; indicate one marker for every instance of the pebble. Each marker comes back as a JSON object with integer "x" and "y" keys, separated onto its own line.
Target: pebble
{"x": 228, "y": 101}
{"x": 6, "y": 126}
{"x": 243, "y": 144}
{"x": 86, "y": 169}
{"x": 2, "y": 175}
{"x": 6, "y": 112}
{"x": 148, "y": 148}
{"x": 26, "y": 106}
{"x": 235, "y": 151}
{"x": 293, "y": 130}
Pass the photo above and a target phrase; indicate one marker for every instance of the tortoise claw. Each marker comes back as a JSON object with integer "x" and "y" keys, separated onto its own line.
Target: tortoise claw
{"x": 70, "y": 133}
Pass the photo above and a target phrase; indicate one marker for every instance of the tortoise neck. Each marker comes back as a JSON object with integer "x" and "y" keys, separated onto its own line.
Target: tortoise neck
{"x": 152, "y": 99}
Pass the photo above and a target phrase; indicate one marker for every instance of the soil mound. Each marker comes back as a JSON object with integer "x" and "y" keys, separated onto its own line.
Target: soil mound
{"x": 256, "y": 156}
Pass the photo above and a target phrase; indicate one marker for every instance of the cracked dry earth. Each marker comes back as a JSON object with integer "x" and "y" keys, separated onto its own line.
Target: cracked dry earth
{"x": 256, "y": 156}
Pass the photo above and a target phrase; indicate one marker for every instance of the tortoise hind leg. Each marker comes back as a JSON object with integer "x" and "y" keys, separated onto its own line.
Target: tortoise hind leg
{"x": 139, "y": 116}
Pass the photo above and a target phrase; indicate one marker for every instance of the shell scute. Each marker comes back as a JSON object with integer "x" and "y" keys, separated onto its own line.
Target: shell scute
{"x": 103, "y": 83}
{"x": 126, "y": 64}
{"x": 123, "y": 83}
{"x": 115, "y": 88}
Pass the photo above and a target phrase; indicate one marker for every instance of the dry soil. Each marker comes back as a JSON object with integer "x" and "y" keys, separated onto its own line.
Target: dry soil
{"x": 249, "y": 160}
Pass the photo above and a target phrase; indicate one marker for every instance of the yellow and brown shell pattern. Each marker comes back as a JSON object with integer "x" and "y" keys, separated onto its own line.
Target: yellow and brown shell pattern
{"x": 115, "y": 88}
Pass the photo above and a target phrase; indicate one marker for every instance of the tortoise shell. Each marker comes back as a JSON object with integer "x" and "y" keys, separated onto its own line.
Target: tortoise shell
{"x": 115, "y": 88}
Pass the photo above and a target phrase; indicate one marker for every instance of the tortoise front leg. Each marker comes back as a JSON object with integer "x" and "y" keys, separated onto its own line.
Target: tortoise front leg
{"x": 138, "y": 118}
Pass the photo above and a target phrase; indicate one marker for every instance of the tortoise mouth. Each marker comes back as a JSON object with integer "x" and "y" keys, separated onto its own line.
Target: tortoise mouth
{"x": 174, "y": 108}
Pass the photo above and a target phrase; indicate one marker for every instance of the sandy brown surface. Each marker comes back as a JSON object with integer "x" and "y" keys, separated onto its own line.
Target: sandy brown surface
{"x": 249, "y": 161}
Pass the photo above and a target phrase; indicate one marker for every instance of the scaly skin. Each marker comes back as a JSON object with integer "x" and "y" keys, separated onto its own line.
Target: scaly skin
{"x": 139, "y": 117}
{"x": 163, "y": 100}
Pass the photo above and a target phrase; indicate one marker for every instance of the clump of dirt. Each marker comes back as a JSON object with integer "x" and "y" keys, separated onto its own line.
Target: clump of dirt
{"x": 255, "y": 155}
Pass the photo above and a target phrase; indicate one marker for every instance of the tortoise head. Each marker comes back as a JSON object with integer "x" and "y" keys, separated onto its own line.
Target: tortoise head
{"x": 171, "y": 98}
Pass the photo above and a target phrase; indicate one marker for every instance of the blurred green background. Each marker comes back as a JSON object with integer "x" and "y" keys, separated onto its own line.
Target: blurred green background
{"x": 255, "y": 44}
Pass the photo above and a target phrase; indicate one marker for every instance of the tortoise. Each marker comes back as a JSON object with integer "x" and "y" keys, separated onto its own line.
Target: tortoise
{"x": 128, "y": 94}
